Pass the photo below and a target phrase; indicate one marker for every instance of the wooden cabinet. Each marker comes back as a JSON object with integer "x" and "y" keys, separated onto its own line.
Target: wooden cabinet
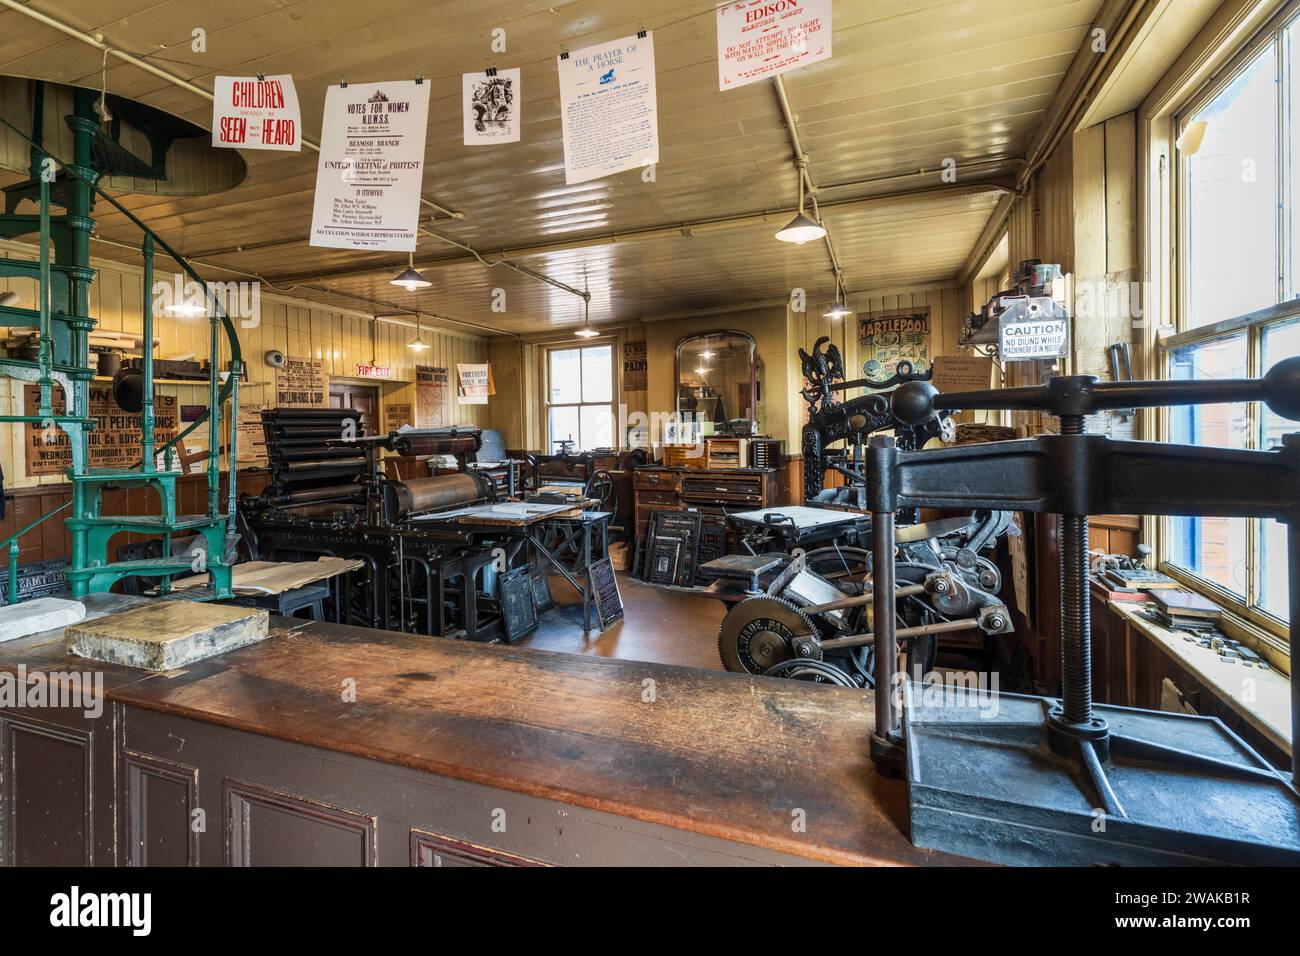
{"x": 714, "y": 492}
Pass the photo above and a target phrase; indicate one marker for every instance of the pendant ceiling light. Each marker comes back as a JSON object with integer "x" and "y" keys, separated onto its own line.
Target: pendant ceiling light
{"x": 410, "y": 280}
{"x": 586, "y": 332}
{"x": 801, "y": 229}
{"x": 417, "y": 344}
{"x": 838, "y": 309}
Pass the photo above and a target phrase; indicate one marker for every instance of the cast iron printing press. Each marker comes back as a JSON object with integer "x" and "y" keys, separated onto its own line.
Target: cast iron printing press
{"x": 1024, "y": 779}
{"x": 447, "y": 555}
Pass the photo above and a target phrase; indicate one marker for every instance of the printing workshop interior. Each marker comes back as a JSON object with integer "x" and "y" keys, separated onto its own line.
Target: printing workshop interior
{"x": 777, "y": 432}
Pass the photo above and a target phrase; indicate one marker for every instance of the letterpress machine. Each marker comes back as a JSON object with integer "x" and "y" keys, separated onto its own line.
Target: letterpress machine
{"x": 326, "y": 497}
{"x": 448, "y": 555}
{"x": 1021, "y": 779}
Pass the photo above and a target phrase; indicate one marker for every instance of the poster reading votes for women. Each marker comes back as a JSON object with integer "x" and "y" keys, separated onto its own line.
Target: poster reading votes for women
{"x": 491, "y": 107}
{"x": 250, "y": 112}
{"x": 371, "y": 166}
{"x": 608, "y": 109}
{"x": 758, "y": 39}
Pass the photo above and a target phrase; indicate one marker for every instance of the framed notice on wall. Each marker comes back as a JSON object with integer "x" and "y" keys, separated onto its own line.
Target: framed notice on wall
{"x": 300, "y": 383}
{"x": 431, "y": 409}
{"x": 962, "y": 373}
{"x": 635, "y": 367}
{"x": 891, "y": 336}
{"x": 252, "y": 437}
{"x": 398, "y": 415}
{"x": 114, "y": 442}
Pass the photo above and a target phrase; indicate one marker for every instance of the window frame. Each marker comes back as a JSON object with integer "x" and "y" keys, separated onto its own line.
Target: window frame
{"x": 1252, "y": 325}
{"x": 547, "y": 404}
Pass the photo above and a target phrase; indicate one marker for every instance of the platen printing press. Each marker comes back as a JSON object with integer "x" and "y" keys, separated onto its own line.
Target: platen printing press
{"x": 450, "y": 555}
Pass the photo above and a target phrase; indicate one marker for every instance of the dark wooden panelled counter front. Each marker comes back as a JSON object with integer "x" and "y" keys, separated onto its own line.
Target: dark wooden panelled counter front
{"x": 328, "y": 744}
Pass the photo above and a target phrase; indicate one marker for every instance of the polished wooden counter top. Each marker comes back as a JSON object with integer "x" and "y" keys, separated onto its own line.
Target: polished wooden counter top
{"x": 726, "y": 755}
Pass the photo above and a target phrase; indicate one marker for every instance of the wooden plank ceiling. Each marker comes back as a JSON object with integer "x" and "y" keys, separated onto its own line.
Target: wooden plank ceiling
{"x": 911, "y": 83}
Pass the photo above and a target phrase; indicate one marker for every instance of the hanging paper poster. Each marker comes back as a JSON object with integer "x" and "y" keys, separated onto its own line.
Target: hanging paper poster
{"x": 115, "y": 441}
{"x": 250, "y": 112}
{"x": 759, "y": 39}
{"x": 252, "y": 437}
{"x": 608, "y": 109}
{"x": 371, "y": 166}
{"x": 475, "y": 382}
{"x": 891, "y": 336}
{"x": 491, "y": 107}
{"x": 300, "y": 382}
{"x": 635, "y": 367}
{"x": 430, "y": 396}
{"x": 397, "y": 415}
{"x": 962, "y": 373}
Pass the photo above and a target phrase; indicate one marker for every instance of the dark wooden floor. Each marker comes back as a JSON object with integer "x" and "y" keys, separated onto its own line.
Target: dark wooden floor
{"x": 659, "y": 625}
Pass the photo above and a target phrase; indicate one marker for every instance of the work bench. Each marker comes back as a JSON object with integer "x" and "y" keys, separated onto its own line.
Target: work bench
{"x": 331, "y": 744}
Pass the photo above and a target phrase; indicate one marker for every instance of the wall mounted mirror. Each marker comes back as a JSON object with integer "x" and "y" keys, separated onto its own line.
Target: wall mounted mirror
{"x": 719, "y": 383}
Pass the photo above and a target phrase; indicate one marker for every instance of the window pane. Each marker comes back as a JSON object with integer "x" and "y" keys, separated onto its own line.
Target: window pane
{"x": 564, "y": 425}
{"x": 566, "y": 376}
{"x": 1273, "y": 570}
{"x": 1232, "y": 233}
{"x": 1279, "y": 342}
{"x": 1222, "y": 425}
{"x": 597, "y": 374}
{"x": 1291, "y": 199}
{"x": 1214, "y": 548}
{"x": 597, "y": 427}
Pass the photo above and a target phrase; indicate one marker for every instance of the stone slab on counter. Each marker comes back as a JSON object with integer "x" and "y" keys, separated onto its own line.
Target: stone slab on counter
{"x": 39, "y": 614}
{"x": 166, "y": 635}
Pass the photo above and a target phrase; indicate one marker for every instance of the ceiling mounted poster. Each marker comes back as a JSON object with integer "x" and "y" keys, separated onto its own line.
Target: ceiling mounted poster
{"x": 371, "y": 166}
{"x": 760, "y": 39}
{"x": 608, "y": 111}
{"x": 891, "y": 336}
{"x": 256, "y": 112}
{"x": 491, "y": 107}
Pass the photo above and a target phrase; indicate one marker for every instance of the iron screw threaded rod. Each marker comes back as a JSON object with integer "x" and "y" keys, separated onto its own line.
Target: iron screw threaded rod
{"x": 1076, "y": 624}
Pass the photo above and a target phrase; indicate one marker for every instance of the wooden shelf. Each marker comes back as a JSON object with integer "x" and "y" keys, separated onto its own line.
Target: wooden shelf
{"x": 198, "y": 382}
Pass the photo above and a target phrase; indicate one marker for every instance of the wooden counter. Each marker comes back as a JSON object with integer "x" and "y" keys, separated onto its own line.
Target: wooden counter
{"x": 329, "y": 743}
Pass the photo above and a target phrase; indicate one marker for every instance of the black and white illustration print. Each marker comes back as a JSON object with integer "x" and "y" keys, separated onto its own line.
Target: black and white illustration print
{"x": 491, "y": 107}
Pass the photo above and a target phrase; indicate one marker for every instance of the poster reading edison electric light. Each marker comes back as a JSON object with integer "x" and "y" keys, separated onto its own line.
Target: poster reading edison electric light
{"x": 758, "y": 39}
{"x": 371, "y": 166}
{"x": 608, "y": 110}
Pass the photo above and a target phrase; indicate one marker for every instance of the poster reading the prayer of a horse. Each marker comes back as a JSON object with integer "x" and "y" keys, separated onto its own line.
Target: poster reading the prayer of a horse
{"x": 491, "y": 107}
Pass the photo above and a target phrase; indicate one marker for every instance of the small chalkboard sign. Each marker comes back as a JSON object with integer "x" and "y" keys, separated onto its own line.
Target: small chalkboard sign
{"x": 517, "y": 604}
{"x": 604, "y": 588}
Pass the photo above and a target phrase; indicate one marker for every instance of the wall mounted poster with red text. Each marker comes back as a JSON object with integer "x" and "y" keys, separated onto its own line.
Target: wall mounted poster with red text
{"x": 759, "y": 39}
{"x": 371, "y": 166}
{"x": 249, "y": 112}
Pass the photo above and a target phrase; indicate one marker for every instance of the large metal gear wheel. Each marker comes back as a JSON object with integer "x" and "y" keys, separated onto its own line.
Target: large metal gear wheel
{"x": 762, "y": 631}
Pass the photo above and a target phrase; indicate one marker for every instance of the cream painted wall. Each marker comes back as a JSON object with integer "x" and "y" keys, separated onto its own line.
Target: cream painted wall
{"x": 296, "y": 328}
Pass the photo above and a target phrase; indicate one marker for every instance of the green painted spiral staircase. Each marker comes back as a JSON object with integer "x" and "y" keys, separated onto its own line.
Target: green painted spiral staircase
{"x": 63, "y": 360}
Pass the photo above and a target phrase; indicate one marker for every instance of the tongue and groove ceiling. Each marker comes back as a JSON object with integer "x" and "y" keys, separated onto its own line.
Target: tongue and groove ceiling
{"x": 911, "y": 83}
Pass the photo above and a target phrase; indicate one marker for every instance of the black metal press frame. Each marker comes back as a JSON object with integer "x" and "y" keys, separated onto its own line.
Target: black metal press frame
{"x": 1073, "y": 475}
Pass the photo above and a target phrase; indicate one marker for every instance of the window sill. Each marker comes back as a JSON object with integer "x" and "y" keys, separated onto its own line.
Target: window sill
{"x": 1270, "y": 710}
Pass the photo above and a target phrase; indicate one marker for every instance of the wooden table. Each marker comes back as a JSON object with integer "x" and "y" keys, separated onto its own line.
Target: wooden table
{"x": 335, "y": 744}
